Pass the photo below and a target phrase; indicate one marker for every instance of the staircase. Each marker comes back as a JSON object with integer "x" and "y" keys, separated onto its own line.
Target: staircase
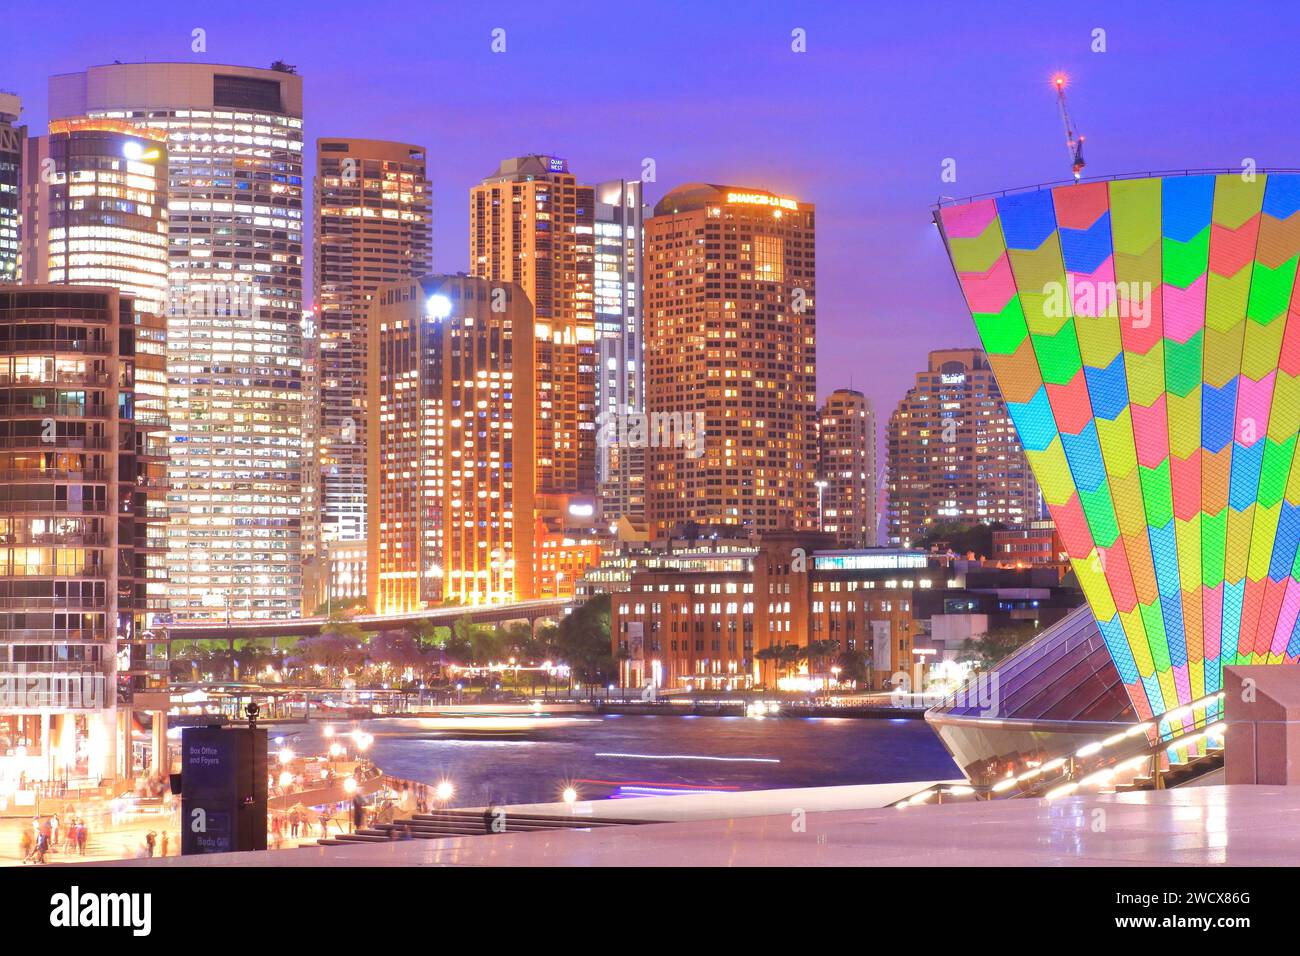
{"x": 466, "y": 823}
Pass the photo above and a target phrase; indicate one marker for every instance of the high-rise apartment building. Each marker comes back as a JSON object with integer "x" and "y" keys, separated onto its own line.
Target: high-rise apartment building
{"x": 532, "y": 224}
{"x": 373, "y": 218}
{"x": 620, "y": 381}
{"x": 234, "y": 323}
{"x": 954, "y": 456}
{"x": 12, "y": 137}
{"x": 846, "y": 469}
{"x": 82, "y": 468}
{"x": 730, "y": 324}
{"x": 450, "y": 458}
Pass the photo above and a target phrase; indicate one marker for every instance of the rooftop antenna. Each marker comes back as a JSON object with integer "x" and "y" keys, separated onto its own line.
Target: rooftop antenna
{"x": 1073, "y": 139}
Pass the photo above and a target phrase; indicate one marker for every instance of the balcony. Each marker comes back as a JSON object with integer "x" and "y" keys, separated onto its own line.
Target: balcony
{"x": 55, "y": 346}
{"x": 79, "y": 603}
{"x": 54, "y": 410}
{"x": 84, "y": 539}
{"x": 72, "y": 668}
{"x": 49, "y": 634}
{"x": 53, "y": 571}
{"x": 55, "y": 507}
{"x": 61, "y": 442}
{"x": 100, "y": 379}
{"x": 55, "y": 474}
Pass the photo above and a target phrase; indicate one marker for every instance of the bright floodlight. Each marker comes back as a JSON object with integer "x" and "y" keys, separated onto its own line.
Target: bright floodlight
{"x": 570, "y": 795}
{"x": 438, "y": 306}
{"x": 444, "y": 790}
{"x": 350, "y": 785}
{"x": 132, "y": 150}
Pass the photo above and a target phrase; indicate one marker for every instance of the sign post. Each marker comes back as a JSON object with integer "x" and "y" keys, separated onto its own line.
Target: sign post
{"x": 223, "y": 789}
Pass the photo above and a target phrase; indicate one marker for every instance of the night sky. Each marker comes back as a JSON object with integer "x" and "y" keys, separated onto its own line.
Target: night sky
{"x": 859, "y": 124}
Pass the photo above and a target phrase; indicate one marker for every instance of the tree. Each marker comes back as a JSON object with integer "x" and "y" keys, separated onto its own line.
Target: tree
{"x": 987, "y": 650}
{"x": 961, "y": 538}
{"x": 853, "y": 666}
{"x": 782, "y": 656}
{"x": 583, "y": 642}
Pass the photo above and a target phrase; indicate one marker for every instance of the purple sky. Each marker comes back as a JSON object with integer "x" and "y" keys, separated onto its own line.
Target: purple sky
{"x": 859, "y": 124}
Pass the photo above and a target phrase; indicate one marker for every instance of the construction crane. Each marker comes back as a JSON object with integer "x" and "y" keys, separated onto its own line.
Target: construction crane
{"x": 1073, "y": 140}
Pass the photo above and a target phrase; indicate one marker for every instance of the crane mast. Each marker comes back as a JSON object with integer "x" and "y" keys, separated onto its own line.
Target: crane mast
{"x": 1073, "y": 140}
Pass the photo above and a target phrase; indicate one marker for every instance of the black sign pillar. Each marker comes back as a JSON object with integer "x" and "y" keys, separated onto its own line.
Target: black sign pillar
{"x": 223, "y": 789}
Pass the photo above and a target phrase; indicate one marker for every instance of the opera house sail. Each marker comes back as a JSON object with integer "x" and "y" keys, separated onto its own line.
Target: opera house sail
{"x": 1145, "y": 334}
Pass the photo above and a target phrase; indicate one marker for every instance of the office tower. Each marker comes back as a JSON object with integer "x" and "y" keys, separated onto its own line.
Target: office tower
{"x": 81, "y": 476}
{"x": 532, "y": 224}
{"x": 450, "y": 399}
{"x": 373, "y": 217}
{"x": 846, "y": 472}
{"x": 1145, "y": 334}
{"x": 619, "y": 235}
{"x": 99, "y": 214}
{"x": 12, "y": 147}
{"x": 954, "y": 457}
{"x": 730, "y": 324}
{"x": 234, "y": 325}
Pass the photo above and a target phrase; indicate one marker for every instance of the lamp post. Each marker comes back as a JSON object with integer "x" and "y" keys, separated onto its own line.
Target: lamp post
{"x": 821, "y": 487}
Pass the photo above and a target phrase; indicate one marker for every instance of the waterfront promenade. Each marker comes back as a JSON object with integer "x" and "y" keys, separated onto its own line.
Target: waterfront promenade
{"x": 1196, "y": 826}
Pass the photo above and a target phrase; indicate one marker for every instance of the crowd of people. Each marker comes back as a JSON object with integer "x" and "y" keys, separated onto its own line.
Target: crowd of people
{"x": 43, "y": 837}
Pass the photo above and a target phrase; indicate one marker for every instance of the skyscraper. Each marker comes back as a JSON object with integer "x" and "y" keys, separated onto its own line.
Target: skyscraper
{"x": 954, "y": 457}
{"x": 234, "y": 325}
{"x": 373, "y": 218}
{"x": 99, "y": 215}
{"x": 451, "y": 487}
{"x": 846, "y": 470}
{"x": 620, "y": 381}
{"x": 12, "y": 147}
{"x": 532, "y": 224}
{"x": 730, "y": 325}
{"x": 82, "y": 561}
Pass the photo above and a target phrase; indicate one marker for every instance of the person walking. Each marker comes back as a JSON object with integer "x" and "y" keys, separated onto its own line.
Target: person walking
{"x": 163, "y": 845}
{"x": 150, "y": 841}
{"x": 54, "y": 831}
{"x": 26, "y": 844}
{"x": 83, "y": 835}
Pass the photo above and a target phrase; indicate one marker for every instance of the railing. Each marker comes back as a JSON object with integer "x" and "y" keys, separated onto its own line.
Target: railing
{"x": 59, "y": 507}
{"x": 72, "y": 669}
{"x": 85, "y": 539}
{"x": 1150, "y": 174}
{"x": 55, "y": 474}
{"x": 80, "y": 346}
{"x": 54, "y": 410}
{"x": 55, "y": 603}
{"x": 58, "y": 378}
{"x": 1136, "y": 753}
{"x": 61, "y": 442}
{"x": 53, "y": 571}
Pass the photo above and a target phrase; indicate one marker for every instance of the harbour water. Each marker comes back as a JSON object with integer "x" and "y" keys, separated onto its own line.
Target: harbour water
{"x": 629, "y": 756}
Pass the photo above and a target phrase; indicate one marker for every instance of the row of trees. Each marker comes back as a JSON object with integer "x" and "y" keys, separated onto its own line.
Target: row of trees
{"x": 820, "y": 656}
{"x": 581, "y": 641}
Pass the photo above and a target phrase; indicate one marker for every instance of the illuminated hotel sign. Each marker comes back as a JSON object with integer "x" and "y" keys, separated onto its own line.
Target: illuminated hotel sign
{"x": 761, "y": 199}
{"x": 557, "y": 165}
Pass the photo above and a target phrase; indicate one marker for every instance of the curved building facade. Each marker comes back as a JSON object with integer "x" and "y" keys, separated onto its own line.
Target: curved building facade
{"x": 1146, "y": 335}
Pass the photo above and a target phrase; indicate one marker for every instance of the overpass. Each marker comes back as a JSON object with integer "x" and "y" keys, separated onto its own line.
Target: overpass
{"x": 529, "y": 611}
